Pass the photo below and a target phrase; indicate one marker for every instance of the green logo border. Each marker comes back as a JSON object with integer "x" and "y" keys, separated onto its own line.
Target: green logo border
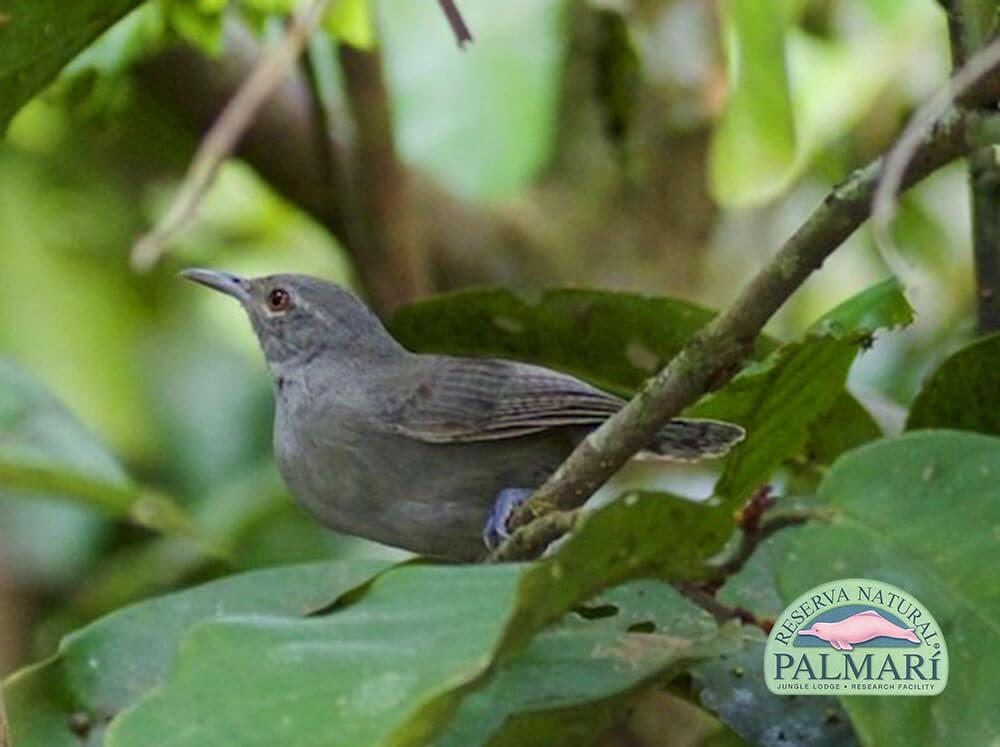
{"x": 827, "y": 665}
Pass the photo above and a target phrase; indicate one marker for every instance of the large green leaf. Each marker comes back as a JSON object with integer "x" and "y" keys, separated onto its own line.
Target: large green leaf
{"x": 583, "y": 661}
{"x": 38, "y": 37}
{"x": 45, "y": 453}
{"x": 920, "y": 512}
{"x": 781, "y": 398}
{"x": 846, "y": 425}
{"x": 732, "y": 687}
{"x": 964, "y": 392}
{"x": 106, "y": 667}
{"x": 753, "y": 146}
{"x": 393, "y": 667}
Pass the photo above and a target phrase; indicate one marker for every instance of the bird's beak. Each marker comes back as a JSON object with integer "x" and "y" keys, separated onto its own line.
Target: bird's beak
{"x": 231, "y": 285}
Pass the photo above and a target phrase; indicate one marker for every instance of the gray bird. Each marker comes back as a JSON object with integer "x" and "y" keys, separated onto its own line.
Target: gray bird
{"x": 425, "y": 452}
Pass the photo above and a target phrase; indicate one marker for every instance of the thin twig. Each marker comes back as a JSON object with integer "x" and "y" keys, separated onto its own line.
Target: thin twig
{"x": 536, "y": 537}
{"x": 971, "y": 24}
{"x": 905, "y": 149}
{"x": 389, "y": 249}
{"x": 751, "y": 540}
{"x": 457, "y": 23}
{"x": 721, "y": 612}
{"x": 714, "y": 355}
{"x": 221, "y": 140}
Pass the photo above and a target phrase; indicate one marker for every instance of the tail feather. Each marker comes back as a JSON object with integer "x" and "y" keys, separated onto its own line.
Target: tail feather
{"x": 691, "y": 439}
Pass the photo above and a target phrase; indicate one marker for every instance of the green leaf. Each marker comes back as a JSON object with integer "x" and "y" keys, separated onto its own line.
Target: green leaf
{"x": 732, "y": 687}
{"x": 45, "y": 453}
{"x": 964, "y": 392}
{"x": 845, "y": 426}
{"x": 38, "y": 37}
{"x": 583, "y": 661}
{"x": 883, "y": 306}
{"x": 197, "y": 22}
{"x": 108, "y": 666}
{"x": 921, "y": 512}
{"x": 753, "y": 145}
{"x": 776, "y": 401}
{"x": 780, "y": 398}
{"x": 615, "y": 340}
{"x": 637, "y": 536}
{"x": 350, "y": 21}
{"x": 393, "y": 667}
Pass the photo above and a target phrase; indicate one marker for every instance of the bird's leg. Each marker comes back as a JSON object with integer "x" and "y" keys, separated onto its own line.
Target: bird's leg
{"x": 506, "y": 501}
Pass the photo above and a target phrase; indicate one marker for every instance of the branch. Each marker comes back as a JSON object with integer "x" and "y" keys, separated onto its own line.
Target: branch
{"x": 536, "y": 536}
{"x": 971, "y": 25}
{"x": 389, "y": 248}
{"x": 220, "y": 141}
{"x": 714, "y": 355}
{"x": 984, "y": 183}
{"x": 457, "y": 23}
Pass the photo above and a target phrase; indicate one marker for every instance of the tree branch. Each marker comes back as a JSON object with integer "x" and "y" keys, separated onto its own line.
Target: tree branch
{"x": 390, "y": 251}
{"x": 714, "y": 355}
{"x": 457, "y": 23}
{"x": 984, "y": 184}
{"x": 972, "y": 26}
{"x": 220, "y": 141}
{"x": 536, "y": 536}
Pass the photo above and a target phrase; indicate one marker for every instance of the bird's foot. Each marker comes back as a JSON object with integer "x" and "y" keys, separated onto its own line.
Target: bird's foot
{"x": 506, "y": 501}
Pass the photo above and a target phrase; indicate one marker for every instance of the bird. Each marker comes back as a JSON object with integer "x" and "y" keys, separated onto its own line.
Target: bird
{"x": 429, "y": 453}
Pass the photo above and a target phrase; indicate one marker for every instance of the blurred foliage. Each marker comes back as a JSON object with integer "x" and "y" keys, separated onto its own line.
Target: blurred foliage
{"x": 963, "y": 392}
{"x": 165, "y": 394}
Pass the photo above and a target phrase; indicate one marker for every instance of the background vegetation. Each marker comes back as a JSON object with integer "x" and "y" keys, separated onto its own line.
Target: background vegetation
{"x": 656, "y": 150}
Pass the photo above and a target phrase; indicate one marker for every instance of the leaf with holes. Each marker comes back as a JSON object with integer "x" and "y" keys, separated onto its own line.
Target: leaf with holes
{"x": 394, "y": 666}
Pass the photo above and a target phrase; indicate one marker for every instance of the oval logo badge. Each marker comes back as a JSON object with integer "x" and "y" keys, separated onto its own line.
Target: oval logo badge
{"x": 856, "y": 636}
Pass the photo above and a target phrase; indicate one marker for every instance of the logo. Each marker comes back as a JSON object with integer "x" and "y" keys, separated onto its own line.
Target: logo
{"x": 856, "y": 637}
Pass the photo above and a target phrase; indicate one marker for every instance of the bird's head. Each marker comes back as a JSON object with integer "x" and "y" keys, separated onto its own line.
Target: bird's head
{"x": 301, "y": 319}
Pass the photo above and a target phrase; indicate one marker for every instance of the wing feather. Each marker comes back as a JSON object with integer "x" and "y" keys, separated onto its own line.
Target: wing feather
{"x": 462, "y": 400}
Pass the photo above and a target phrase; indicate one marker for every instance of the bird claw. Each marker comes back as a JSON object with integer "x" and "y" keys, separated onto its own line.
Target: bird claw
{"x": 506, "y": 501}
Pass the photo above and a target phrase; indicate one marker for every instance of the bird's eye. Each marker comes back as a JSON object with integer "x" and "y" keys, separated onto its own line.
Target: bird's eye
{"x": 278, "y": 300}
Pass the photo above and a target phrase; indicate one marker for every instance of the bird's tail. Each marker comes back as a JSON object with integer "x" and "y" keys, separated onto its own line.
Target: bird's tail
{"x": 691, "y": 439}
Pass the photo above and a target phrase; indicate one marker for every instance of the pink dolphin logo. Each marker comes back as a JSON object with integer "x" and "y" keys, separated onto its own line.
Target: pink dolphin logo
{"x": 863, "y": 626}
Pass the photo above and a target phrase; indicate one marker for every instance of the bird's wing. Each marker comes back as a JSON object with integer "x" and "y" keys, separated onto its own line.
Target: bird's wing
{"x": 461, "y": 399}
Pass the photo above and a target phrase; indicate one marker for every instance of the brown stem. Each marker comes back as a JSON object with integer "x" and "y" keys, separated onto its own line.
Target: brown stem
{"x": 391, "y": 255}
{"x": 984, "y": 184}
{"x": 457, "y": 23}
{"x": 971, "y": 26}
